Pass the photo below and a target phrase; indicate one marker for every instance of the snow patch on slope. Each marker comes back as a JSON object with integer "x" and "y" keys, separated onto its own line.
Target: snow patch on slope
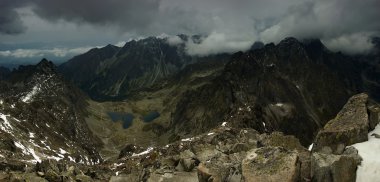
{"x": 28, "y": 151}
{"x": 279, "y": 104}
{"x": 28, "y": 97}
{"x": 369, "y": 169}
{"x": 310, "y": 147}
{"x": 5, "y": 125}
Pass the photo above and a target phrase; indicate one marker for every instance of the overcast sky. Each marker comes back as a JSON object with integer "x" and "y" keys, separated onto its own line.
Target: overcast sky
{"x": 59, "y": 29}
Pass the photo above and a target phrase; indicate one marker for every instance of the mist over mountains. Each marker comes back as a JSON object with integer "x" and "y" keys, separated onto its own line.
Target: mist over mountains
{"x": 346, "y": 26}
{"x": 200, "y": 90}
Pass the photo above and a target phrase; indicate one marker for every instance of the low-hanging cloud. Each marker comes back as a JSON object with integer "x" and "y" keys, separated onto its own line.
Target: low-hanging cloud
{"x": 217, "y": 43}
{"x": 55, "y": 52}
{"x": 345, "y": 25}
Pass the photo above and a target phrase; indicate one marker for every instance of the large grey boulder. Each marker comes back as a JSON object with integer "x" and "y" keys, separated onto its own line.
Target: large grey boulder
{"x": 219, "y": 172}
{"x": 270, "y": 164}
{"x": 335, "y": 168}
{"x": 350, "y": 126}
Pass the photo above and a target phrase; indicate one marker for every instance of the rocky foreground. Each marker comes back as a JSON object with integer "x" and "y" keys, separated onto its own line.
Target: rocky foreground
{"x": 226, "y": 154}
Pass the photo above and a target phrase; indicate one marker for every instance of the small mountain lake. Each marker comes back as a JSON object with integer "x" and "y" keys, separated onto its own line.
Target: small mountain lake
{"x": 125, "y": 118}
{"x": 150, "y": 116}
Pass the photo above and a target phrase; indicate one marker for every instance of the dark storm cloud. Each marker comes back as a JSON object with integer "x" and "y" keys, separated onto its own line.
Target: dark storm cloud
{"x": 230, "y": 24}
{"x": 10, "y": 22}
{"x": 129, "y": 14}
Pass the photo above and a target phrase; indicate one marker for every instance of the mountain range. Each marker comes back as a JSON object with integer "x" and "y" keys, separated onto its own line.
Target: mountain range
{"x": 148, "y": 111}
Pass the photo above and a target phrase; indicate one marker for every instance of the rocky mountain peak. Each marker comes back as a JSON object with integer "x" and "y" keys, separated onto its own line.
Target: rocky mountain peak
{"x": 45, "y": 66}
{"x": 257, "y": 45}
{"x": 289, "y": 41}
{"x": 315, "y": 44}
{"x": 137, "y": 64}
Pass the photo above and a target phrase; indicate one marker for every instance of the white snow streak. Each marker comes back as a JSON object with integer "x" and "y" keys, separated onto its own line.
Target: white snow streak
{"x": 30, "y": 95}
{"x": 62, "y": 151}
{"x": 311, "y": 146}
{"x": 144, "y": 152}
{"x": 187, "y": 139}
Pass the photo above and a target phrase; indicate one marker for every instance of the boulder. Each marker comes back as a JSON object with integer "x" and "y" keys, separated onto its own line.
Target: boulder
{"x": 334, "y": 168}
{"x": 33, "y": 178}
{"x": 187, "y": 164}
{"x": 52, "y": 175}
{"x": 350, "y": 126}
{"x": 187, "y": 154}
{"x": 4, "y": 176}
{"x": 289, "y": 142}
{"x": 174, "y": 177}
{"x": 218, "y": 170}
{"x": 122, "y": 178}
{"x": 206, "y": 174}
{"x": 12, "y": 165}
{"x": 47, "y": 165}
{"x": 168, "y": 162}
{"x": 26, "y": 177}
{"x": 206, "y": 153}
{"x": 269, "y": 164}
{"x": 187, "y": 161}
{"x": 374, "y": 114}
{"x": 83, "y": 178}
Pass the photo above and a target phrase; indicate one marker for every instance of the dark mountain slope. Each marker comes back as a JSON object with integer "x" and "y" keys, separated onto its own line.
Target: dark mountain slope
{"x": 79, "y": 71}
{"x": 292, "y": 87}
{"x": 113, "y": 72}
{"x": 4, "y": 72}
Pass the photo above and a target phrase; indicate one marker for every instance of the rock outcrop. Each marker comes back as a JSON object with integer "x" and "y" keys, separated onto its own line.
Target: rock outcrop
{"x": 350, "y": 126}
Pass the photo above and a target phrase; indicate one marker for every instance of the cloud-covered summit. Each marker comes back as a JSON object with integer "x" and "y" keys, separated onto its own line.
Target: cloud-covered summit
{"x": 230, "y": 25}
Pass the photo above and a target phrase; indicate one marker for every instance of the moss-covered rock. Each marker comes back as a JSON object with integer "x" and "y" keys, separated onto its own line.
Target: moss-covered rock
{"x": 289, "y": 142}
{"x": 271, "y": 164}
